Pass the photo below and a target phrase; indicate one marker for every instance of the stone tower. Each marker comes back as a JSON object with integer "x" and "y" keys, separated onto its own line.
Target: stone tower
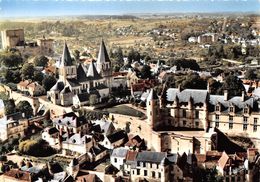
{"x": 152, "y": 109}
{"x": 73, "y": 168}
{"x": 67, "y": 70}
{"x": 104, "y": 67}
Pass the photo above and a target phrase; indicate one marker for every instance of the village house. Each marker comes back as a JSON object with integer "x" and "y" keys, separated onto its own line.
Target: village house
{"x": 157, "y": 166}
{"x": 71, "y": 123}
{"x": 118, "y": 157}
{"x": 31, "y": 88}
{"x": 13, "y": 126}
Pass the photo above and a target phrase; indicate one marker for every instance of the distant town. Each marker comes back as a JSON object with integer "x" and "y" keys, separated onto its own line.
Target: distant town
{"x": 131, "y": 99}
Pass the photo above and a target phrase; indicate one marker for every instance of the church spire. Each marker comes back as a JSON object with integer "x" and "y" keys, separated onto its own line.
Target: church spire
{"x": 103, "y": 57}
{"x": 66, "y": 58}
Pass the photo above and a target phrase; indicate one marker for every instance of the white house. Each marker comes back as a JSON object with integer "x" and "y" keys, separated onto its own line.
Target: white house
{"x": 118, "y": 156}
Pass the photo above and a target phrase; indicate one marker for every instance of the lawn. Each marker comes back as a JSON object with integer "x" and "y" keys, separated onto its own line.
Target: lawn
{"x": 124, "y": 110}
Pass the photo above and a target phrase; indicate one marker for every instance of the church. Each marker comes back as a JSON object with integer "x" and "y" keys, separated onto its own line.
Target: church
{"x": 77, "y": 83}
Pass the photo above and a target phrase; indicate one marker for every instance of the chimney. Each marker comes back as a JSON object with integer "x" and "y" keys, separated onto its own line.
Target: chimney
{"x": 243, "y": 96}
{"x": 225, "y": 95}
{"x": 208, "y": 88}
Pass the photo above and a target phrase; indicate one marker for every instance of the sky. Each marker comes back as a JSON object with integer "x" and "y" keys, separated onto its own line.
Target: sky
{"x": 35, "y": 8}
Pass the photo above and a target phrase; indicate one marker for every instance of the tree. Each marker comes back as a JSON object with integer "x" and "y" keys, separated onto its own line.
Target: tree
{"x": 40, "y": 61}
{"x": 233, "y": 84}
{"x": 133, "y": 55}
{"x": 26, "y": 108}
{"x": 184, "y": 63}
{"x": 193, "y": 81}
{"x": 92, "y": 99}
{"x": 9, "y": 106}
{"x": 76, "y": 54}
{"x": 37, "y": 148}
{"x": 250, "y": 74}
{"x": 48, "y": 82}
{"x": 146, "y": 72}
{"x": 12, "y": 76}
{"x": 27, "y": 71}
{"x": 11, "y": 59}
{"x": 38, "y": 76}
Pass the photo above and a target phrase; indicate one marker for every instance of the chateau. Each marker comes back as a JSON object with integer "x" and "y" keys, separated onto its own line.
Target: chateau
{"x": 196, "y": 113}
{"x": 77, "y": 83}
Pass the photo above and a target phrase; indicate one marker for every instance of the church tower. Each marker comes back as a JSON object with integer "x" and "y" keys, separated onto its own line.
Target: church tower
{"x": 152, "y": 109}
{"x": 104, "y": 67}
{"x": 66, "y": 69}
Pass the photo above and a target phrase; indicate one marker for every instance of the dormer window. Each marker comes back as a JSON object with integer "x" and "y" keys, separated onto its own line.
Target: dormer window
{"x": 217, "y": 108}
{"x": 246, "y": 110}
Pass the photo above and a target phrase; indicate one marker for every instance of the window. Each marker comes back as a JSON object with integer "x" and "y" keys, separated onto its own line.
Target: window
{"x": 216, "y": 124}
{"x": 231, "y": 118}
{"x": 230, "y": 125}
{"x": 115, "y": 160}
{"x": 184, "y": 122}
{"x": 144, "y": 164}
{"x": 244, "y": 127}
{"x": 255, "y": 121}
{"x": 197, "y": 124}
{"x": 133, "y": 172}
{"x": 231, "y": 109}
{"x": 245, "y": 120}
{"x": 138, "y": 163}
{"x": 184, "y": 113}
{"x": 217, "y": 117}
{"x": 245, "y": 110}
{"x": 197, "y": 114}
{"x": 153, "y": 174}
{"x": 145, "y": 172}
{"x": 138, "y": 171}
{"x": 159, "y": 175}
{"x": 217, "y": 108}
{"x": 255, "y": 128}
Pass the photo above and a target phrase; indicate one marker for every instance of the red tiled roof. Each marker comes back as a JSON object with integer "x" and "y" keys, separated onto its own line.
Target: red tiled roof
{"x": 201, "y": 158}
{"x": 18, "y": 175}
{"x": 24, "y": 83}
{"x": 120, "y": 74}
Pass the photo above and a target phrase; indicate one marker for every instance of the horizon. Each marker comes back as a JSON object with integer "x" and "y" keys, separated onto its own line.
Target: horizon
{"x": 58, "y": 8}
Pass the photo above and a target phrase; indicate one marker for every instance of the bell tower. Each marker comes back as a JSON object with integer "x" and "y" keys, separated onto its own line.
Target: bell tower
{"x": 67, "y": 70}
{"x": 152, "y": 109}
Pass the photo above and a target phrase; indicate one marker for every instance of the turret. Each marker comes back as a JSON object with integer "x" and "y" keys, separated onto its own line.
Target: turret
{"x": 152, "y": 109}
{"x": 73, "y": 168}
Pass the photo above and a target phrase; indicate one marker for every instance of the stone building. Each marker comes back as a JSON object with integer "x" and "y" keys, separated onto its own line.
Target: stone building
{"x": 15, "y": 39}
{"x": 12, "y": 38}
{"x": 81, "y": 81}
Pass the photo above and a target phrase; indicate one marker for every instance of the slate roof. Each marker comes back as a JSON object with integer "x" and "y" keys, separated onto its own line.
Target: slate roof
{"x": 152, "y": 95}
{"x": 103, "y": 55}
{"x": 83, "y": 97}
{"x": 77, "y": 139}
{"x": 66, "y": 90}
{"x": 105, "y": 126}
{"x": 73, "y": 82}
{"x": 235, "y": 101}
{"x": 59, "y": 86}
{"x": 153, "y": 157}
{"x": 97, "y": 149}
{"x": 92, "y": 72}
{"x": 198, "y": 96}
{"x": 81, "y": 73}
{"x": 70, "y": 119}
{"x": 119, "y": 152}
{"x": 66, "y": 58}
{"x": 117, "y": 136}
